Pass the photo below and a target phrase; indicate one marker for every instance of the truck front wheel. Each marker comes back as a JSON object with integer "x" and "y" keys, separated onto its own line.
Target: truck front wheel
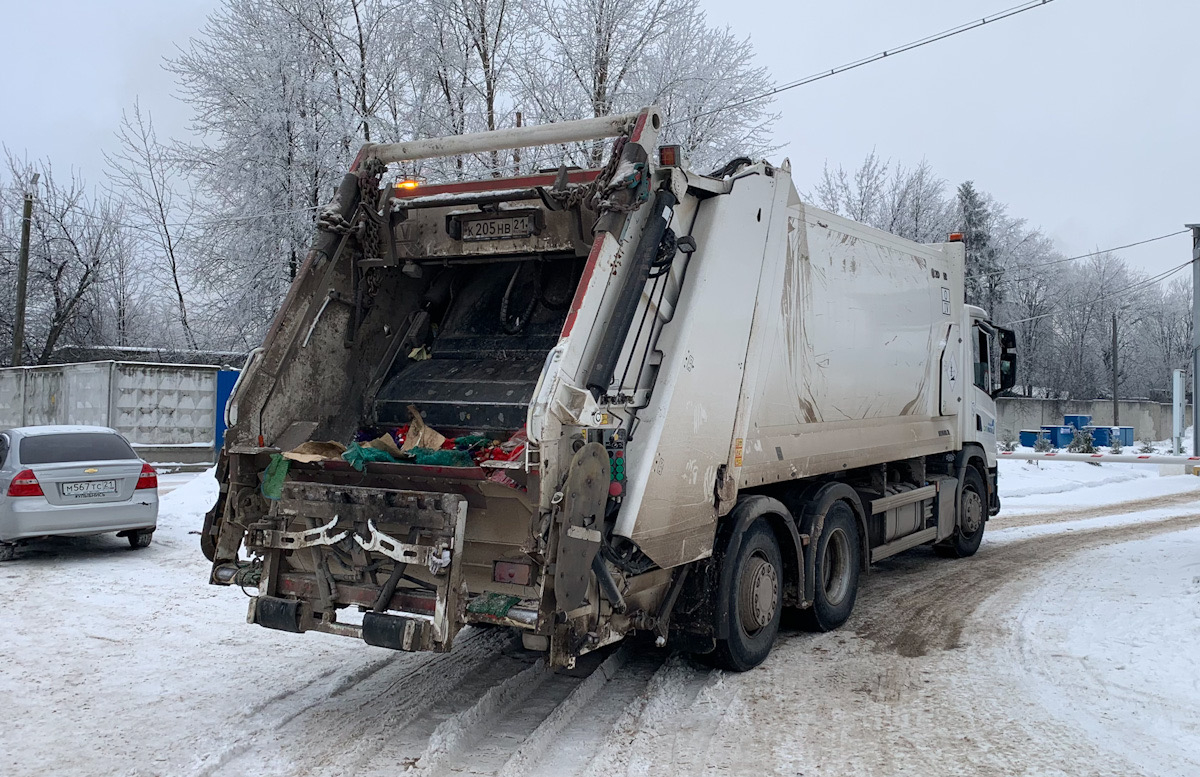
{"x": 972, "y": 512}
{"x": 753, "y": 601}
{"x": 837, "y": 561}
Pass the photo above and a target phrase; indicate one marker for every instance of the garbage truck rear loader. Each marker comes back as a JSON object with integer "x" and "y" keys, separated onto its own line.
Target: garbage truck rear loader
{"x": 633, "y": 399}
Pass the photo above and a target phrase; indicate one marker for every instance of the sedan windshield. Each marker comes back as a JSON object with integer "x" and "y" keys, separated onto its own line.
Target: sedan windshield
{"x": 74, "y": 446}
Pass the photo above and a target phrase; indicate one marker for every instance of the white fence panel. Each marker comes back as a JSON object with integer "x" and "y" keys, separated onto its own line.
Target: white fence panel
{"x": 12, "y": 398}
{"x": 156, "y": 404}
{"x": 43, "y": 390}
{"x": 84, "y": 397}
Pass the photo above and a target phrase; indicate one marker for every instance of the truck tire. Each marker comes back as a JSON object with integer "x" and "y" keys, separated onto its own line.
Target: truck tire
{"x": 754, "y": 601}
{"x": 969, "y": 523}
{"x": 837, "y": 561}
{"x": 7, "y": 551}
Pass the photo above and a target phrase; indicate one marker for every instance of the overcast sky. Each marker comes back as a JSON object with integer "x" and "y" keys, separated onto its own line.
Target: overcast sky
{"x": 1082, "y": 115}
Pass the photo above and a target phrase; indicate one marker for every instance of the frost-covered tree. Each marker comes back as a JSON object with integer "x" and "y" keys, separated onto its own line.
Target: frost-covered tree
{"x": 599, "y": 57}
{"x": 75, "y": 236}
{"x": 909, "y": 202}
{"x": 706, "y": 82}
{"x": 154, "y": 189}
{"x": 278, "y": 116}
{"x": 1030, "y": 296}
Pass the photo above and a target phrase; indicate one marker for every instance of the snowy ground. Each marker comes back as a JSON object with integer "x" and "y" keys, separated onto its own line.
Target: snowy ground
{"x": 1067, "y": 646}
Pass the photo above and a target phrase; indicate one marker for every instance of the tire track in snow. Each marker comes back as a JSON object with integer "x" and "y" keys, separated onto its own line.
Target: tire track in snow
{"x": 317, "y": 722}
{"x": 1117, "y": 508}
{"x": 575, "y": 736}
{"x": 557, "y": 714}
{"x": 944, "y": 596}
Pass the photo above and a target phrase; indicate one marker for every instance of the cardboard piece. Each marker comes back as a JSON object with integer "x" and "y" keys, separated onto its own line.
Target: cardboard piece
{"x": 311, "y": 451}
{"x": 420, "y": 435}
{"x": 384, "y": 443}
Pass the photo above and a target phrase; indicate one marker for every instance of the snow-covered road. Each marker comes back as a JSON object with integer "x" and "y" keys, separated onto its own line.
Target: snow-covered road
{"x": 1066, "y": 646}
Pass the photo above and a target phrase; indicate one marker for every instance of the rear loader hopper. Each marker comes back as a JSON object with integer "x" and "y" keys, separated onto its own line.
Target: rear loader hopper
{"x": 587, "y": 402}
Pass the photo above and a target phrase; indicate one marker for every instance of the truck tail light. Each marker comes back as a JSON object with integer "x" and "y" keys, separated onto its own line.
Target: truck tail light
{"x": 956, "y": 237}
{"x": 25, "y": 484}
{"x": 512, "y": 572}
{"x": 670, "y": 156}
{"x": 148, "y": 478}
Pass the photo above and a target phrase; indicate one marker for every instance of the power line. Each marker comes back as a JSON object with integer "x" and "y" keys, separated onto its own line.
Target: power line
{"x": 1089, "y": 255}
{"x": 910, "y": 46}
{"x": 1135, "y": 286}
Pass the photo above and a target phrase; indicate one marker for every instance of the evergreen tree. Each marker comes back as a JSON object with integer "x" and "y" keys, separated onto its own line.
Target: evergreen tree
{"x": 984, "y": 276}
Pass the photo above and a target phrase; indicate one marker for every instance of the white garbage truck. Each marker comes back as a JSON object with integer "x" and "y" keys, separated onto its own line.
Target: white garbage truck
{"x": 585, "y": 403}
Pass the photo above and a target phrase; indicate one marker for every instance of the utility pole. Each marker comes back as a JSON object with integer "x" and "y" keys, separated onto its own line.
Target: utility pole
{"x": 1178, "y": 410}
{"x": 1195, "y": 338}
{"x": 23, "y": 276}
{"x": 1116, "y": 408}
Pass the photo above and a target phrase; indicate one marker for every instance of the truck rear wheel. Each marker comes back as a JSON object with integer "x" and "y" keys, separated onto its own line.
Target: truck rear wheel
{"x": 837, "y": 561}
{"x": 753, "y": 602}
{"x": 972, "y": 513}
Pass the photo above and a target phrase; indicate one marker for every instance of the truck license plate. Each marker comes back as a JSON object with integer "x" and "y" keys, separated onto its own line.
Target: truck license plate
{"x": 90, "y": 488}
{"x": 499, "y": 228}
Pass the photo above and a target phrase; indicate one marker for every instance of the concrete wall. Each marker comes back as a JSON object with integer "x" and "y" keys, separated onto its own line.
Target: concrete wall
{"x": 168, "y": 412}
{"x": 1149, "y": 419}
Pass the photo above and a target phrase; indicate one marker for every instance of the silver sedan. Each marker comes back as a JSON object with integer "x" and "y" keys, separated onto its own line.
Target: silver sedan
{"x": 71, "y": 481}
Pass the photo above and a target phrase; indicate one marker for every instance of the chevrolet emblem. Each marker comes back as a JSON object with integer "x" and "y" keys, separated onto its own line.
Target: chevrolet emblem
{"x": 91, "y": 471}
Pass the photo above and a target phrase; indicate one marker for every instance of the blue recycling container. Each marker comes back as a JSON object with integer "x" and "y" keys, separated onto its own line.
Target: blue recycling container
{"x": 1059, "y": 436}
{"x": 1126, "y": 434}
{"x": 1101, "y": 435}
{"x": 1077, "y": 421}
{"x": 1029, "y": 437}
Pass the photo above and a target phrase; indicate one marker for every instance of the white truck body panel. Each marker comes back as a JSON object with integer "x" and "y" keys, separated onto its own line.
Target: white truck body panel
{"x": 802, "y": 344}
{"x": 686, "y": 432}
{"x": 855, "y": 325}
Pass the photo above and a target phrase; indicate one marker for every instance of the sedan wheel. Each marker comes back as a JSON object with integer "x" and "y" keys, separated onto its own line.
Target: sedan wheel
{"x": 140, "y": 539}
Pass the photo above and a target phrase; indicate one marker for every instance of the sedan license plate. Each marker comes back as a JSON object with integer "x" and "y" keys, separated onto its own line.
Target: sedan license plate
{"x": 497, "y": 228}
{"x": 88, "y": 488}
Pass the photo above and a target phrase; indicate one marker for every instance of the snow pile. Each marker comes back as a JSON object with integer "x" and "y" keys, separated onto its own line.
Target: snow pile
{"x": 1042, "y": 486}
{"x": 1111, "y": 643}
{"x": 179, "y": 509}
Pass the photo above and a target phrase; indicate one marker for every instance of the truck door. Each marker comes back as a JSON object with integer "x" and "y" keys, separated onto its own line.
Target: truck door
{"x": 983, "y": 407}
{"x": 952, "y": 382}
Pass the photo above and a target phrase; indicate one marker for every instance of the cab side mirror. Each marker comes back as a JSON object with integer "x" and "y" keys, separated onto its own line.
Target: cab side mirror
{"x": 1008, "y": 361}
